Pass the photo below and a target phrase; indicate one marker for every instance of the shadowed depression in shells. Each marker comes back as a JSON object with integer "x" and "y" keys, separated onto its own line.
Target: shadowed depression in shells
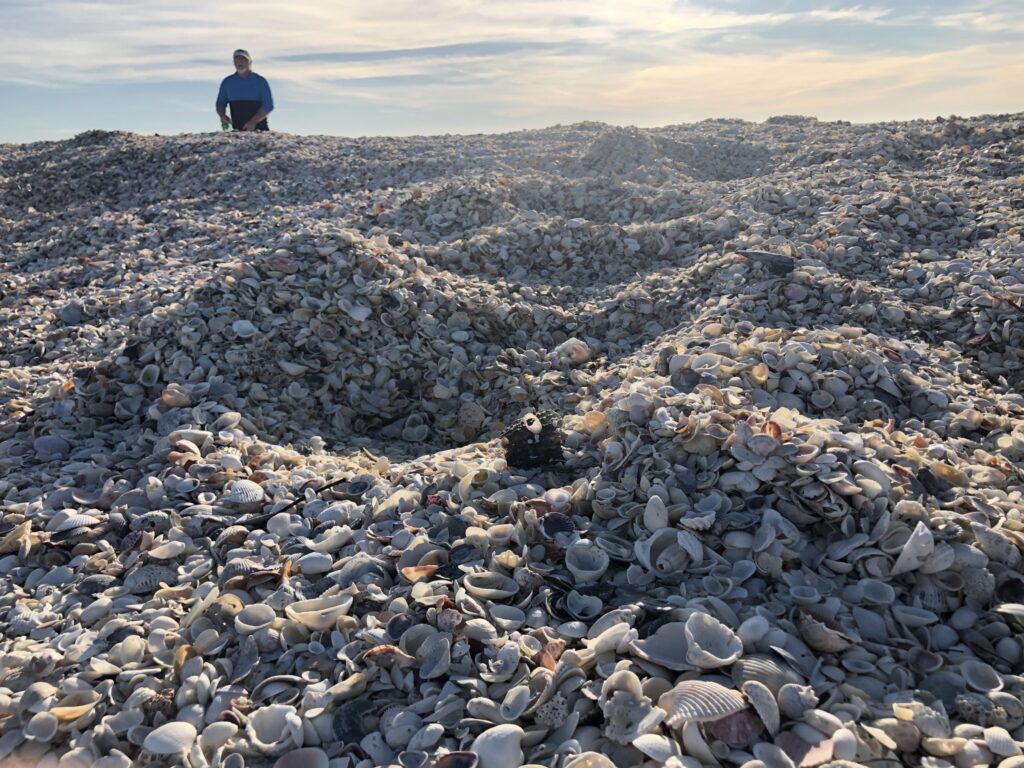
{"x": 586, "y": 446}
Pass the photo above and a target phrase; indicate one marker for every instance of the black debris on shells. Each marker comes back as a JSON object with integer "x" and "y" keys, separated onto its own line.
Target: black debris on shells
{"x": 535, "y": 441}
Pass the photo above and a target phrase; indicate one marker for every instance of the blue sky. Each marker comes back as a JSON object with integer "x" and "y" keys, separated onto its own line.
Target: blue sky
{"x": 403, "y": 67}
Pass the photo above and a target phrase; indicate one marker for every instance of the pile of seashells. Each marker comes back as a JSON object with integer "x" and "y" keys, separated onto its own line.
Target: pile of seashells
{"x": 492, "y": 451}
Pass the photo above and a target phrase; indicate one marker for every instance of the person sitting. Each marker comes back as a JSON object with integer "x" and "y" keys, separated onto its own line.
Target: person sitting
{"x": 248, "y": 95}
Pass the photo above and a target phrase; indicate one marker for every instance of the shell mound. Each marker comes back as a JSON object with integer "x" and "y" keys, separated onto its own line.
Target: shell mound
{"x": 493, "y": 450}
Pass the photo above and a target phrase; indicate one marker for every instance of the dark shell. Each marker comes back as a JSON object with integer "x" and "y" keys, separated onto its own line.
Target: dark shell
{"x": 92, "y": 585}
{"x": 353, "y": 720}
{"x": 535, "y": 441}
{"x": 457, "y": 760}
{"x": 554, "y": 523}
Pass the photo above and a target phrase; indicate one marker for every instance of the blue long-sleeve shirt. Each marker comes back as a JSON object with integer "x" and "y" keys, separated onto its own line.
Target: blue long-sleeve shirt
{"x": 250, "y": 88}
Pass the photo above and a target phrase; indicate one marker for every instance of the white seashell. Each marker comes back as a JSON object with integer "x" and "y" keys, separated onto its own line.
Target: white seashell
{"x": 275, "y": 729}
{"x": 500, "y": 747}
{"x": 764, "y": 703}
{"x": 915, "y": 551}
{"x": 314, "y": 563}
{"x": 655, "y": 514}
{"x": 666, "y": 647}
{"x": 168, "y": 550}
{"x": 490, "y": 585}
{"x": 216, "y": 735}
{"x": 586, "y": 562}
{"x": 253, "y": 618}
{"x": 699, "y": 701}
{"x": 42, "y": 727}
{"x": 245, "y": 492}
{"x": 1001, "y": 742}
{"x": 710, "y": 644}
{"x": 171, "y": 738}
{"x": 321, "y": 613}
{"x": 588, "y": 760}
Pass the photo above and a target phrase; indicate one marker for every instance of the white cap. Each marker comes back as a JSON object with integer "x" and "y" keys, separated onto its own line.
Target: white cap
{"x": 242, "y": 52}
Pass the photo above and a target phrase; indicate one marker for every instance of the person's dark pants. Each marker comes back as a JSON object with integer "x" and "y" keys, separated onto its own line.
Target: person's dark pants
{"x": 243, "y": 111}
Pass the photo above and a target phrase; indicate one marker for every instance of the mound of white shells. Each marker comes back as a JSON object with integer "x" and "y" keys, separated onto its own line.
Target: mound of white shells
{"x": 254, "y": 511}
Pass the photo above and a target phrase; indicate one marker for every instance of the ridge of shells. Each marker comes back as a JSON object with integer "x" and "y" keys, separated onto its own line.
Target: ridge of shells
{"x": 256, "y": 506}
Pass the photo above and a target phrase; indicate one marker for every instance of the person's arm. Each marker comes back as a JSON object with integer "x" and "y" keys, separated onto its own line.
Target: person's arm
{"x": 222, "y": 104}
{"x": 258, "y": 118}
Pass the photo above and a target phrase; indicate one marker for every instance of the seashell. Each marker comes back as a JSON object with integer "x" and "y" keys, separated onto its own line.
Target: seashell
{"x": 710, "y": 644}
{"x": 490, "y": 585}
{"x": 737, "y": 730}
{"x": 499, "y": 747}
{"x": 699, "y": 701}
{"x": 173, "y": 738}
{"x": 666, "y": 647}
{"x": 321, "y": 613}
{"x": 795, "y": 700}
{"x": 915, "y": 552}
{"x": 216, "y": 735}
{"x": 766, "y": 670}
{"x": 980, "y": 676}
{"x": 1000, "y": 742}
{"x": 764, "y": 703}
{"x": 589, "y": 760}
{"x": 253, "y": 618}
{"x": 245, "y": 492}
{"x": 275, "y": 729}
{"x": 307, "y": 757}
{"x": 586, "y": 562}
{"x": 42, "y": 726}
{"x": 457, "y": 760}
{"x": 821, "y": 637}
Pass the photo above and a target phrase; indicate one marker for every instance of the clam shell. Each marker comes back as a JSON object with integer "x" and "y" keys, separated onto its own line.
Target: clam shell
{"x": 171, "y": 738}
{"x": 586, "y": 562}
{"x": 490, "y": 585}
{"x": 321, "y": 613}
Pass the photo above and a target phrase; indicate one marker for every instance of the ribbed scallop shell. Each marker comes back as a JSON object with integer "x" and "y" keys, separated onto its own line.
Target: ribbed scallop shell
{"x": 245, "y": 492}
{"x": 75, "y": 521}
{"x": 764, "y": 669}
{"x": 699, "y": 701}
{"x": 149, "y": 577}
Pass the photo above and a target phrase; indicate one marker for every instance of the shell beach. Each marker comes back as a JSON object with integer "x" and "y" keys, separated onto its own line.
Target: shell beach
{"x": 580, "y": 447}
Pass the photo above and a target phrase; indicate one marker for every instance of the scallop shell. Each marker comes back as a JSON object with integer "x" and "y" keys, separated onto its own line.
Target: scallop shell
{"x": 699, "y": 701}
{"x": 767, "y": 670}
{"x": 245, "y": 492}
{"x": 710, "y": 644}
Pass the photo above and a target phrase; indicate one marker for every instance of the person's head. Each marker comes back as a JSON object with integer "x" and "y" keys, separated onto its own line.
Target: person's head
{"x": 243, "y": 61}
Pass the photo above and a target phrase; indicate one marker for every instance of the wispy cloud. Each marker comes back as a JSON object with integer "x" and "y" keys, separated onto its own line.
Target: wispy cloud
{"x": 510, "y": 63}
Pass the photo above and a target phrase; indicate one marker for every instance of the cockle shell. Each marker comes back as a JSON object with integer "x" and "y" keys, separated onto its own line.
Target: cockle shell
{"x": 699, "y": 701}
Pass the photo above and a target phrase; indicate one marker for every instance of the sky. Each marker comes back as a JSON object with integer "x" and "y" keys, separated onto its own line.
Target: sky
{"x": 406, "y": 67}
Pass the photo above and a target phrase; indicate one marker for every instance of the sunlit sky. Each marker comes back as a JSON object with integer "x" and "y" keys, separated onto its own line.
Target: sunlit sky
{"x": 405, "y": 67}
